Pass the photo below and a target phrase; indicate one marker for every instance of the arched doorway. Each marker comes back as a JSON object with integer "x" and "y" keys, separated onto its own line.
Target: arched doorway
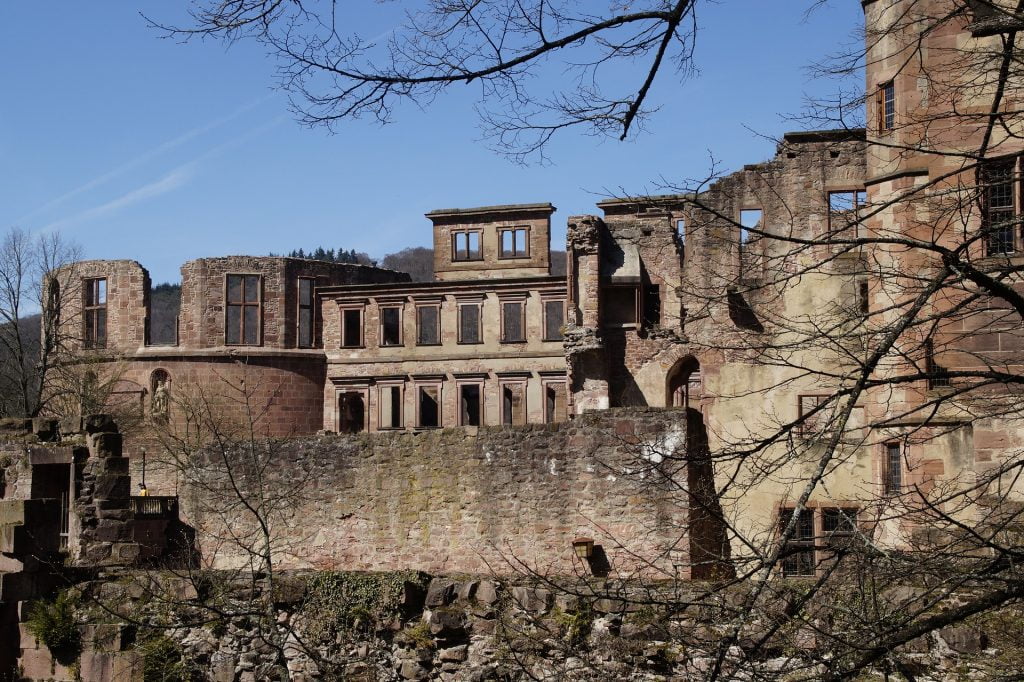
{"x": 683, "y": 384}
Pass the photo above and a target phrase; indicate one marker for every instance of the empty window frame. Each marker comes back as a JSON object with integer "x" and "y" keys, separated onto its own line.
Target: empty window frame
{"x": 935, "y": 372}
{"x": 514, "y": 242}
{"x": 306, "y": 318}
{"x": 351, "y": 411}
{"x": 798, "y": 553}
{"x": 466, "y": 245}
{"x": 391, "y": 325}
{"x": 652, "y": 305}
{"x": 428, "y": 406}
{"x": 554, "y": 320}
{"x": 814, "y": 414}
{"x": 95, "y": 309}
{"x": 885, "y": 106}
{"x": 844, "y": 210}
{"x": 892, "y": 469}
{"x": 513, "y": 321}
{"x": 352, "y": 327}
{"x": 998, "y": 180}
{"x": 750, "y": 218}
{"x": 620, "y": 305}
{"x": 470, "y": 330}
{"x": 242, "y": 312}
{"x": 555, "y": 408}
{"x": 471, "y": 404}
{"x": 513, "y": 402}
{"x": 681, "y": 231}
{"x": 389, "y": 401}
{"x": 428, "y": 325}
{"x": 863, "y": 296}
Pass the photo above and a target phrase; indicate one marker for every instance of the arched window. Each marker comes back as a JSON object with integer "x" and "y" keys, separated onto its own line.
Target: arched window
{"x": 683, "y": 383}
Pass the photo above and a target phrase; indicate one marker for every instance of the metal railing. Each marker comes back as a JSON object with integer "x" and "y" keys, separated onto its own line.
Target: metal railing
{"x": 155, "y": 506}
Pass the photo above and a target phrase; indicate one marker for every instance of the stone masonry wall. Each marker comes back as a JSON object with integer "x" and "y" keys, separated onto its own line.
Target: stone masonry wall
{"x": 469, "y": 500}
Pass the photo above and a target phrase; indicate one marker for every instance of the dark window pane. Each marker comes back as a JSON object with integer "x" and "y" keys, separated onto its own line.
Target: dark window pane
{"x": 618, "y": 305}
{"x": 233, "y": 333}
{"x": 305, "y": 291}
{"x": 430, "y": 406}
{"x": 469, "y": 323}
{"x": 352, "y": 411}
{"x": 252, "y": 289}
{"x": 306, "y": 327}
{"x": 234, "y": 289}
{"x": 426, "y": 325}
{"x": 352, "y": 320}
{"x": 469, "y": 405}
{"x": 389, "y": 326}
{"x": 101, "y": 327}
{"x": 512, "y": 407}
{"x": 554, "y": 403}
{"x": 652, "y": 305}
{"x": 252, "y": 324}
{"x": 553, "y": 320}
{"x": 893, "y": 469}
{"x": 512, "y": 322}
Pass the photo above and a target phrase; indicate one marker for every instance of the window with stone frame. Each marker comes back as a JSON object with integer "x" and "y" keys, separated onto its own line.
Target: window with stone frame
{"x": 306, "y": 313}
{"x": 470, "y": 330}
{"x": 391, "y": 325}
{"x": 513, "y": 402}
{"x": 95, "y": 312}
{"x": 242, "y": 310}
{"x": 815, "y": 415}
{"x": 555, "y": 407}
{"x": 1000, "y": 198}
{"x": 389, "y": 402}
{"x": 466, "y": 245}
{"x": 352, "y": 327}
{"x": 514, "y": 242}
{"x": 862, "y": 296}
{"x": 554, "y": 320}
{"x": 892, "y": 469}
{"x": 798, "y": 558}
{"x": 351, "y": 411}
{"x": 428, "y": 325}
{"x": 885, "y": 107}
{"x": 513, "y": 321}
{"x": 839, "y": 527}
{"x": 620, "y": 305}
{"x": 936, "y": 373}
{"x": 471, "y": 404}
{"x": 428, "y": 406}
{"x": 845, "y": 208}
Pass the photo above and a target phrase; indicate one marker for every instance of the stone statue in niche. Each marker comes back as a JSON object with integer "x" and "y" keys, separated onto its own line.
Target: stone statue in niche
{"x": 161, "y": 396}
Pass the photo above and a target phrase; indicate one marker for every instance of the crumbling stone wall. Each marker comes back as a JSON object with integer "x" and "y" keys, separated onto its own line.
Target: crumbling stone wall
{"x": 127, "y": 303}
{"x": 477, "y": 500}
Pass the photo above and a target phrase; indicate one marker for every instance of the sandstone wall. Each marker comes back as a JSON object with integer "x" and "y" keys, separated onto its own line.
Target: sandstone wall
{"x": 470, "y": 499}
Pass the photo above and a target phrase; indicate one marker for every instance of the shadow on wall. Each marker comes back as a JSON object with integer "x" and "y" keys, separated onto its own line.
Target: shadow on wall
{"x": 709, "y": 544}
{"x": 741, "y": 314}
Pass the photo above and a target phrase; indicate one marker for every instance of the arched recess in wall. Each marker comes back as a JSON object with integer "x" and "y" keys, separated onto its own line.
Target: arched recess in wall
{"x": 683, "y": 383}
{"x": 160, "y": 393}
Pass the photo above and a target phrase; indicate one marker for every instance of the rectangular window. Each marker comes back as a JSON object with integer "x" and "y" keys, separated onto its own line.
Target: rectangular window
{"x": 305, "y": 331}
{"x": 428, "y": 327}
{"x": 95, "y": 309}
{"x": 390, "y": 398}
{"x": 750, "y": 219}
{"x": 554, "y": 402}
{"x": 513, "y": 403}
{"x": 844, "y": 211}
{"x": 999, "y": 213}
{"x": 892, "y": 470}
{"x": 466, "y": 245}
{"x": 470, "y": 405}
{"x": 886, "y": 106}
{"x": 619, "y": 305}
{"x": 934, "y": 371}
{"x": 469, "y": 323}
{"x": 351, "y": 412}
{"x": 351, "y": 327}
{"x": 513, "y": 322}
{"x": 515, "y": 242}
{"x": 863, "y": 298}
{"x": 554, "y": 320}
{"x": 242, "y": 313}
{"x": 814, "y": 415}
{"x": 652, "y": 305}
{"x": 798, "y": 554}
{"x": 428, "y": 406}
{"x": 839, "y": 525}
{"x": 681, "y": 231}
{"x": 391, "y": 326}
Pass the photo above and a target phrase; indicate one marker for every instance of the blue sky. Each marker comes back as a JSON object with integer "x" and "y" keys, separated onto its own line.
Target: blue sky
{"x": 143, "y": 148}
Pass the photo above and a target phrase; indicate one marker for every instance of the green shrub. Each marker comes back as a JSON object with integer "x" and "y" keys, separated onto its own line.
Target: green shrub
{"x": 341, "y": 602}
{"x": 163, "y": 660}
{"x": 53, "y": 624}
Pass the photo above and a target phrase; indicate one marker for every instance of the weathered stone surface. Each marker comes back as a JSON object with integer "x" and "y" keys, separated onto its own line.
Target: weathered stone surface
{"x": 99, "y": 423}
{"x": 440, "y": 592}
{"x": 964, "y": 639}
{"x": 106, "y": 444}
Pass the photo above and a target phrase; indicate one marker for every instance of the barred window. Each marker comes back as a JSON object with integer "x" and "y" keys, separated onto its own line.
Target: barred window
{"x": 999, "y": 212}
{"x": 885, "y": 103}
{"x": 892, "y": 470}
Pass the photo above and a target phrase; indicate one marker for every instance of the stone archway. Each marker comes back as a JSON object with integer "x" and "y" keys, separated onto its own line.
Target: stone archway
{"x": 683, "y": 386}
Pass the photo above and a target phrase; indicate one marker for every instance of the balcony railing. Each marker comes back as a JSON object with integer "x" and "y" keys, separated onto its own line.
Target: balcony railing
{"x": 155, "y": 506}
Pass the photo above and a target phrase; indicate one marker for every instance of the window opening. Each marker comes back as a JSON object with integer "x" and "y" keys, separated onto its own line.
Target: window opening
{"x": 469, "y": 405}
{"x": 429, "y": 408}
{"x": 513, "y": 404}
{"x": 351, "y": 412}
{"x": 465, "y": 246}
{"x": 243, "y": 310}
{"x": 652, "y": 305}
{"x": 933, "y": 369}
{"x": 619, "y": 305}
{"x": 305, "y": 312}
{"x": 681, "y": 230}
{"x": 844, "y": 210}
{"x": 512, "y": 322}
{"x": 893, "y": 476}
{"x": 886, "y": 106}
{"x": 554, "y": 320}
{"x": 391, "y": 326}
{"x": 95, "y": 313}
{"x": 839, "y": 526}
{"x": 863, "y": 300}
{"x": 391, "y": 407}
{"x": 799, "y": 549}
{"x": 554, "y": 402}
{"x": 351, "y": 328}
{"x": 999, "y": 213}
{"x": 514, "y": 243}
{"x": 428, "y": 331}
{"x": 750, "y": 218}
{"x": 469, "y": 323}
